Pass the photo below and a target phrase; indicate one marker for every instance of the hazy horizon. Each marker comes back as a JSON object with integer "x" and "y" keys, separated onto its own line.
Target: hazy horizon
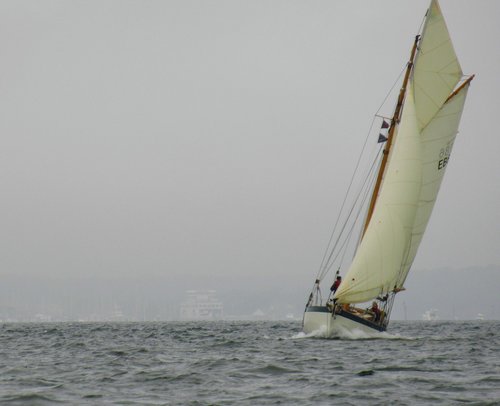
{"x": 191, "y": 140}
{"x": 158, "y": 298}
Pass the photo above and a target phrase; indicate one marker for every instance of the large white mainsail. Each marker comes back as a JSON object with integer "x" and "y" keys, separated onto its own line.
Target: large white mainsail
{"x": 378, "y": 259}
{"x": 420, "y": 151}
{"x": 437, "y": 142}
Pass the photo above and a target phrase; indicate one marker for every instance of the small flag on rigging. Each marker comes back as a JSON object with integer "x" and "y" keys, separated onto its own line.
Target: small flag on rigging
{"x": 381, "y": 136}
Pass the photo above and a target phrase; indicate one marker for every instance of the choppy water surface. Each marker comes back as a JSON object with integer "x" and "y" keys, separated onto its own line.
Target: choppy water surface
{"x": 247, "y": 363}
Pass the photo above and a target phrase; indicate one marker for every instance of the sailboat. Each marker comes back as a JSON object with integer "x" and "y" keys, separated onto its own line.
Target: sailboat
{"x": 409, "y": 170}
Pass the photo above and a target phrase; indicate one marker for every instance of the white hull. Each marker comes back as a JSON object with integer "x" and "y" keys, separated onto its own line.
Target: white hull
{"x": 319, "y": 321}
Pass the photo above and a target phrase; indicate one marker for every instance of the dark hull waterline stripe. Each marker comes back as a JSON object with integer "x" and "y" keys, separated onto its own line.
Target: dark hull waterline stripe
{"x": 317, "y": 309}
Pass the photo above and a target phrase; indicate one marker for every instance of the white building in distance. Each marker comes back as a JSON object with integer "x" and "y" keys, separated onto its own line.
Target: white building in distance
{"x": 201, "y": 305}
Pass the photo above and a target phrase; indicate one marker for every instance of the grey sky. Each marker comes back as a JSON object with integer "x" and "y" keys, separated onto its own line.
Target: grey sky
{"x": 171, "y": 137}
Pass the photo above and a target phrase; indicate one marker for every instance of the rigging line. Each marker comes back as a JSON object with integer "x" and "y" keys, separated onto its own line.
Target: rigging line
{"x": 344, "y": 251}
{"x": 420, "y": 28}
{"x": 322, "y": 265}
{"x": 392, "y": 87}
{"x": 366, "y": 194}
{"x": 328, "y": 264}
{"x": 343, "y": 248}
{"x": 372, "y": 173}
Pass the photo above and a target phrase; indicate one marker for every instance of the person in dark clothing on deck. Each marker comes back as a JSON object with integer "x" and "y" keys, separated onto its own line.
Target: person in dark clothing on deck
{"x": 336, "y": 284}
{"x": 376, "y": 312}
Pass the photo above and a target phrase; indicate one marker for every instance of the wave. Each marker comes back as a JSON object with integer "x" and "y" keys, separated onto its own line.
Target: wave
{"x": 356, "y": 334}
{"x": 249, "y": 363}
{"x": 320, "y": 333}
{"x": 272, "y": 369}
{"x": 29, "y": 397}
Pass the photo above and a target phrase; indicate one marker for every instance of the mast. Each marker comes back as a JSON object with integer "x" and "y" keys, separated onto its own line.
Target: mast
{"x": 394, "y": 121}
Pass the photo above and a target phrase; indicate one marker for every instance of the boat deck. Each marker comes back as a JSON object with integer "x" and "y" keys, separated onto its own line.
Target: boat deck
{"x": 355, "y": 314}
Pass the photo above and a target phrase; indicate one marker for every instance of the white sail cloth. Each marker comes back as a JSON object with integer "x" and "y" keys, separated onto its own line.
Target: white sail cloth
{"x": 436, "y": 145}
{"x": 416, "y": 165}
{"x": 437, "y": 70}
{"x": 378, "y": 259}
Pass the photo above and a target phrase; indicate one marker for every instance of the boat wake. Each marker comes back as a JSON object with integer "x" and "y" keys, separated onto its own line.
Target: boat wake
{"x": 320, "y": 333}
{"x": 356, "y": 334}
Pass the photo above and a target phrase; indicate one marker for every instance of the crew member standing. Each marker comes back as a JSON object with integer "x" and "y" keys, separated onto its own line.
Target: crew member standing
{"x": 336, "y": 284}
{"x": 376, "y": 312}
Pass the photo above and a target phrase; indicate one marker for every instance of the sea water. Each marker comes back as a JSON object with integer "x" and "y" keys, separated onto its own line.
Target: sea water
{"x": 247, "y": 363}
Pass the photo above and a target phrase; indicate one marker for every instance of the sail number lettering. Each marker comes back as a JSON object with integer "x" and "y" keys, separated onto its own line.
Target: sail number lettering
{"x": 443, "y": 162}
{"x": 444, "y": 156}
